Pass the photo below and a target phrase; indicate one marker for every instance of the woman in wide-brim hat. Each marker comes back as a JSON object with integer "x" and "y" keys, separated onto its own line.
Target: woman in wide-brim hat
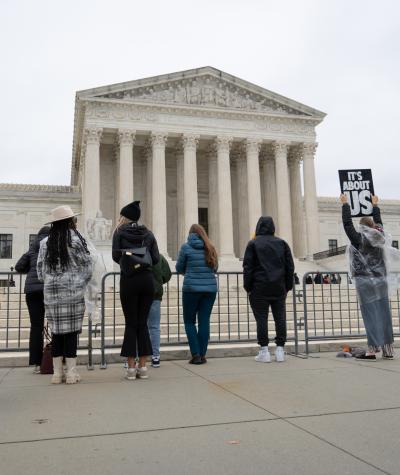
{"x": 65, "y": 266}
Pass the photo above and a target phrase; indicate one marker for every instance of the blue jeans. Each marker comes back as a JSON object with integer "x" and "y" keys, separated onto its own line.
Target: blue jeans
{"x": 153, "y": 322}
{"x": 198, "y": 304}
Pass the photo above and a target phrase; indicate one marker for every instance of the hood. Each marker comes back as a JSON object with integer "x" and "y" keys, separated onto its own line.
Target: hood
{"x": 195, "y": 241}
{"x": 265, "y": 226}
{"x": 42, "y": 234}
{"x": 135, "y": 230}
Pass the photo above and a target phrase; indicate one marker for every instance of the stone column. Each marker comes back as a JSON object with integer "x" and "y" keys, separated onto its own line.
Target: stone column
{"x": 310, "y": 199}
{"x": 254, "y": 209}
{"x": 126, "y": 140}
{"x": 283, "y": 192}
{"x": 213, "y": 195}
{"x": 190, "y": 196}
{"x": 269, "y": 184}
{"x": 148, "y": 155}
{"x": 225, "y": 225}
{"x": 91, "y": 190}
{"x": 182, "y": 231}
{"x": 243, "y": 232}
{"x": 296, "y": 203}
{"x": 159, "y": 191}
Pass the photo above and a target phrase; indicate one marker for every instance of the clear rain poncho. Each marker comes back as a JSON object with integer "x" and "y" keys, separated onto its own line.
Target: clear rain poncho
{"x": 374, "y": 265}
{"x": 93, "y": 288}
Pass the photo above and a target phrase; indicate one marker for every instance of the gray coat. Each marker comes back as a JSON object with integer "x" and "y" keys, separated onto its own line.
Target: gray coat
{"x": 64, "y": 291}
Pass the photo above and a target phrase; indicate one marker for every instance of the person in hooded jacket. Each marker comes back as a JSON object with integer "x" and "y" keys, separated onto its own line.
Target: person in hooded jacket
{"x": 34, "y": 298}
{"x": 198, "y": 261}
{"x": 136, "y": 290}
{"x": 268, "y": 271}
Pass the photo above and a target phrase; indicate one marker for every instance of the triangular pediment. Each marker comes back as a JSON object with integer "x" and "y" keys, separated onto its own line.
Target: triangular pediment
{"x": 205, "y": 88}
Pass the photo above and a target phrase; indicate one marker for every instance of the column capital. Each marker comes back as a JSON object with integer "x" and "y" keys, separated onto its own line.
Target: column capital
{"x": 190, "y": 141}
{"x": 223, "y": 143}
{"x": 252, "y": 145}
{"x": 295, "y": 156}
{"x": 159, "y": 139}
{"x": 280, "y": 146}
{"x": 309, "y": 149}
{"x": 126, "y": 137}
{"x": 93, "y": 135}
{"x": 211, "y": 151}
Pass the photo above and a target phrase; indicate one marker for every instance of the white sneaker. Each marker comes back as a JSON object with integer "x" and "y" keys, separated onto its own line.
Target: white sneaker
{"x": 279, "y": 354}
{"x": 131, "y": 374}
{"x": 142, "y": 373}
{"x": 263, "y": 356}
{"x": 36, "y": 369}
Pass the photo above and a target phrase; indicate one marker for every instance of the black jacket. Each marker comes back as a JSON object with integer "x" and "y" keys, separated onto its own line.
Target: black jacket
{"x": 131, "y": 236}
{"x": 27, "y": 265}
{"x": 268, "y": 263}
{"x": 374, "y": 255}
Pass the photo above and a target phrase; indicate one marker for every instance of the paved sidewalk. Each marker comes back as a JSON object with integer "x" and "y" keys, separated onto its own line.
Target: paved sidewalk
{"x": 321, "y": 416}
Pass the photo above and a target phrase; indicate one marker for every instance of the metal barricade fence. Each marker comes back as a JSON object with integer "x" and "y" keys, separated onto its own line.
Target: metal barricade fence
{"x": 332, "y": 311}
{"x": 14, "y": 317}
{"x": 232, "y": 320}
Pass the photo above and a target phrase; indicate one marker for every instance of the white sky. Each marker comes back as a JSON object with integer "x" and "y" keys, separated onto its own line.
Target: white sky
{"x": 339, "y": 56}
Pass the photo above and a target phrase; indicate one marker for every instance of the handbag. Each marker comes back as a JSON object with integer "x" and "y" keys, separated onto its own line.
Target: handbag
{"x": 135, "y": 260}
{"x": 46, "y": 366}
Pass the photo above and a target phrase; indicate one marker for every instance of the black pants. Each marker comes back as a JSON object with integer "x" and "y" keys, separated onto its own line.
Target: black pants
{"x": 137, "y": 294}
{"x": 260, "y": 306}
{"x": 64, "y": 345}
{"x": 35, "y": 304}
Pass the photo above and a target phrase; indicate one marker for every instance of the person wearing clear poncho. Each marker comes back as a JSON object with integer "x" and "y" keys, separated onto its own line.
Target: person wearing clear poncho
{"x": 372, "y": 263}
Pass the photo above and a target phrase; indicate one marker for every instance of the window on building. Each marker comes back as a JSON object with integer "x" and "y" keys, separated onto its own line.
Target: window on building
{"x": 395, "y": 244}
{"x": 332, "y": 244}
{"x": 6, "y": 246}
{"x": 32, "y": 238}
{"x": 203, "y": 218}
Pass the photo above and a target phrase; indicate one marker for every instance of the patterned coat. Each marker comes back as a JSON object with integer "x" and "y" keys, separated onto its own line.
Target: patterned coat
{"x": 64, "y": 290}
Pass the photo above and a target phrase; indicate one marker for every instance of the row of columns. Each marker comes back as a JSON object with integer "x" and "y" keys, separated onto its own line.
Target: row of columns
{"x": 281, "y": 180}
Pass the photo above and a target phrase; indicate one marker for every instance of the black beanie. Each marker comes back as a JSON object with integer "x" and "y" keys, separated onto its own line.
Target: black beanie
{"x": 131, "y": 211}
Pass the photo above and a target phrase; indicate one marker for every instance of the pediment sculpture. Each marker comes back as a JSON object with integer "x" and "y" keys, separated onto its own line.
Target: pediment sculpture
{"x": 202, "y": 91}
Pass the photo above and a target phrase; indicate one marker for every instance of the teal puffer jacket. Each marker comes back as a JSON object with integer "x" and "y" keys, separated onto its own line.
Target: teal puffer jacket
{"x": 192, "y": 263}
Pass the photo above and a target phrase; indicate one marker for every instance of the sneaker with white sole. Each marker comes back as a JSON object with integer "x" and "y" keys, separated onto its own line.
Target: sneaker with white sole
{"x": 36, "y": 370}
{"x": 142, "y": 373}
{"x": 279, "y": 354}
{"x": 263, "y": 356}
{"x": 131, "y": 374}
{"x": 155, "y": 361}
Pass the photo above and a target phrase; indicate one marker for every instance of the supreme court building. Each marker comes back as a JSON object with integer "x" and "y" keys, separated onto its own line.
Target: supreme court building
{"x": 192, "y": 146}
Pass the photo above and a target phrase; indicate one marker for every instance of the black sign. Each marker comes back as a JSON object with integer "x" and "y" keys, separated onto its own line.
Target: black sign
{"x": 358, "y": 186}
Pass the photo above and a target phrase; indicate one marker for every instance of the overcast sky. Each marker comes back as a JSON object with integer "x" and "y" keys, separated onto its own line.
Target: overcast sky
{"x": 339, "y": 56}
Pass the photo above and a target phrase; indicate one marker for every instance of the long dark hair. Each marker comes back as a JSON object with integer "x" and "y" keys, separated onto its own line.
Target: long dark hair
{"x": 211, "y": 253}
{"x": 60, "y": 239}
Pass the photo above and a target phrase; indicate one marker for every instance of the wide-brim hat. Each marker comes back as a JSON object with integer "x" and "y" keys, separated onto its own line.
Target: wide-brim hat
{"x": 60, "y": 213}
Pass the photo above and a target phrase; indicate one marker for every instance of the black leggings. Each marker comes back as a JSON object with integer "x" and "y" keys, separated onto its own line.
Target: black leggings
{"x": 137, "y": 295}
{"x": 34, "y": 302}
{"x": 64, "y": 345}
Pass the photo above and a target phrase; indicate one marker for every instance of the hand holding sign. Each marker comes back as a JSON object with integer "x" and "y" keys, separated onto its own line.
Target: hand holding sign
{"x": 358, "y": 187}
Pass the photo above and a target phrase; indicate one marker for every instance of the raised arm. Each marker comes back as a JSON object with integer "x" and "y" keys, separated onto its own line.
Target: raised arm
{"x": 349, "y": 229}
{"x": 376, "y": 212}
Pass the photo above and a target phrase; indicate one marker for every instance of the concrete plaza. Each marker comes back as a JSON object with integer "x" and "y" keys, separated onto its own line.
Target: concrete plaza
{"x": 322, "y": 415}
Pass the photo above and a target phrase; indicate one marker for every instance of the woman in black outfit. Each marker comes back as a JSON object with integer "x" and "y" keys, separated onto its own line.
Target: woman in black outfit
{"x": 136, "y": 290}
{"x": 34, "y": 299}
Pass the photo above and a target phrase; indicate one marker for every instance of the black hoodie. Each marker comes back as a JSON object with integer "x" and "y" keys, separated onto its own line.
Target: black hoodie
{"x": 268, "y": 263}
{"x": 131, "y": 236}
{"x": 27, "y": 263}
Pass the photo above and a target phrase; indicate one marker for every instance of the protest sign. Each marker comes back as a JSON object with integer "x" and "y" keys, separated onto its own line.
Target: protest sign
{"x": 357, "y": 185}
